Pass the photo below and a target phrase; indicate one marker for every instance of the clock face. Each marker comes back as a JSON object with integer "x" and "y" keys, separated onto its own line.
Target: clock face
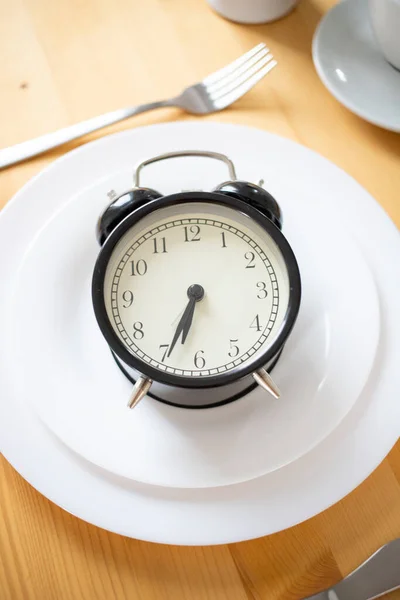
{"x": 196, "y": 290}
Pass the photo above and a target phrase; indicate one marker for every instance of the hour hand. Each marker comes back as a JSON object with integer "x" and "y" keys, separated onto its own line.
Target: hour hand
{"x": 188, "y": 322}
{"x": 195, "y": 294}
{"x": 188, "y": 314}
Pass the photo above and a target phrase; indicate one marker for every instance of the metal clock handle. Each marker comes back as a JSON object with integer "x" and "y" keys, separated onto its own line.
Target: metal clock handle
{"x": 180, "y": 154}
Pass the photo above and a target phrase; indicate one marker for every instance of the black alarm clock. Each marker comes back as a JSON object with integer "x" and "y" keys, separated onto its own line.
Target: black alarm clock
{"x": 195, "y": 292}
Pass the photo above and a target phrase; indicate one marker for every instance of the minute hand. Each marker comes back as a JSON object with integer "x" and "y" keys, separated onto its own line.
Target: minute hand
{"x": 183, "y": 324}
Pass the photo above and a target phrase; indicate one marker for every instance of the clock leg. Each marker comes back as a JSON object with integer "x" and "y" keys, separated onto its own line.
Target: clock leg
{"x": 209, "y": 397}
{"x": 140, "y": 389}
{"x": 265, "y": 381}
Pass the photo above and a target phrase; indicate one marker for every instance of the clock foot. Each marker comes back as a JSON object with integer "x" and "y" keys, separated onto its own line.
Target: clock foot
{"x": 196, "y": 399}
{"x": 265, "y": 381}
{"x": 140, "y": 389}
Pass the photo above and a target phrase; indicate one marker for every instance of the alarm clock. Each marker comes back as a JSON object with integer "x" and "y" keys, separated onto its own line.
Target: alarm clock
{"x": 195, "y": 292}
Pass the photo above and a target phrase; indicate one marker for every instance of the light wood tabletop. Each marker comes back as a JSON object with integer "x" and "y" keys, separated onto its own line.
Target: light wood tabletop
{"x": 68, "y": 60}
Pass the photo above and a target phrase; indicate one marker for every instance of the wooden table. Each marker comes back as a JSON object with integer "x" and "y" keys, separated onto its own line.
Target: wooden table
{"x": 67, "y": 60}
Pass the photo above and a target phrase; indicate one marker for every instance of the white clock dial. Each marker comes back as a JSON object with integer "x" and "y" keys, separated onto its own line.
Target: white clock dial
{"x": 201, "y": 273}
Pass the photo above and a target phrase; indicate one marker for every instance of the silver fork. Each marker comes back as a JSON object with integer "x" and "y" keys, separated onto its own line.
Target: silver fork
{"x": 214, "y": 93}
{"x": 378, "y": 575}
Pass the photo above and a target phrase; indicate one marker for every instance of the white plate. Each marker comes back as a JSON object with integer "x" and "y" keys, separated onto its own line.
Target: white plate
{"x": 75, "y": 386}
{"x": 263, "y": 505}
{"x": 352, "y": 67}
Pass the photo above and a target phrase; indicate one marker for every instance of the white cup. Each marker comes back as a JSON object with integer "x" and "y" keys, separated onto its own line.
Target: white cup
{"x": 252, "y": 11}
{"x": 385, "y": 19}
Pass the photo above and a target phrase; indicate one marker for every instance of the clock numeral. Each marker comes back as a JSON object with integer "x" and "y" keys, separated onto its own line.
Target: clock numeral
{"x": 199, "y": 361}
{"x": 234, "y": 350}
{"x": 138, "y": 332}
{"x": 163, "y": 246}
{"x": 127, "y": 297}
{"x": 223, "y": 239}
{"x": 255, "y": 324}
{"x": 250, "y": 257}
{"x": 164, "y": 349}
{"x": 263, "y": 291}
{"x": 192, "y": 233}
{"x": 139, "y": 267}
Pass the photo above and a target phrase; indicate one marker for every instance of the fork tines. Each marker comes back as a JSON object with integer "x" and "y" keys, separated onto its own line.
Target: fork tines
{"x": 229, "y": 83}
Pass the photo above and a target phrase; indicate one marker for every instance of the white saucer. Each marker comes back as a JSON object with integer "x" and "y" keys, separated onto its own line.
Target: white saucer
{"x": 352, "y": 67}
{"x": 265, "y": 504}
{"x": 73, "y": 383}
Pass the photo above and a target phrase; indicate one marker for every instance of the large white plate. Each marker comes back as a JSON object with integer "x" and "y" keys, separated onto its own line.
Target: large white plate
{"x": 75, "y": 386}
{"x": 265, "y": 504}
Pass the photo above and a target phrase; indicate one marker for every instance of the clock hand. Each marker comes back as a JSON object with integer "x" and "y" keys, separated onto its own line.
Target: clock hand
{"x": 195, "y": 294}
{"x": 188, "y": 322}
{"x": 181, "y": 324}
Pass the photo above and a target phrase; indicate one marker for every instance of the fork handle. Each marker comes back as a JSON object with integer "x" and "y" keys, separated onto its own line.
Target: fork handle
{"x": 378, "y": 575}
{"x": 19, "y": 152}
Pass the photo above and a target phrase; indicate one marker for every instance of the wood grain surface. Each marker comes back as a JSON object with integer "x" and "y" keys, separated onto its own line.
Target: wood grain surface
{"x": 67, "y": 60}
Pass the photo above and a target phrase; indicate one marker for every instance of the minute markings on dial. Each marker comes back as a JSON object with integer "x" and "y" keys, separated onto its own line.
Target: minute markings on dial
{"x": 161, "y": 229}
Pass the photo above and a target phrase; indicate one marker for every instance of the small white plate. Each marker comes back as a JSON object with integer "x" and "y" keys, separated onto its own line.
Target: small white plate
{"x": 73, "y": 383}
{"x": 263, "y": 505}
{"x": 352, "y": 67}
